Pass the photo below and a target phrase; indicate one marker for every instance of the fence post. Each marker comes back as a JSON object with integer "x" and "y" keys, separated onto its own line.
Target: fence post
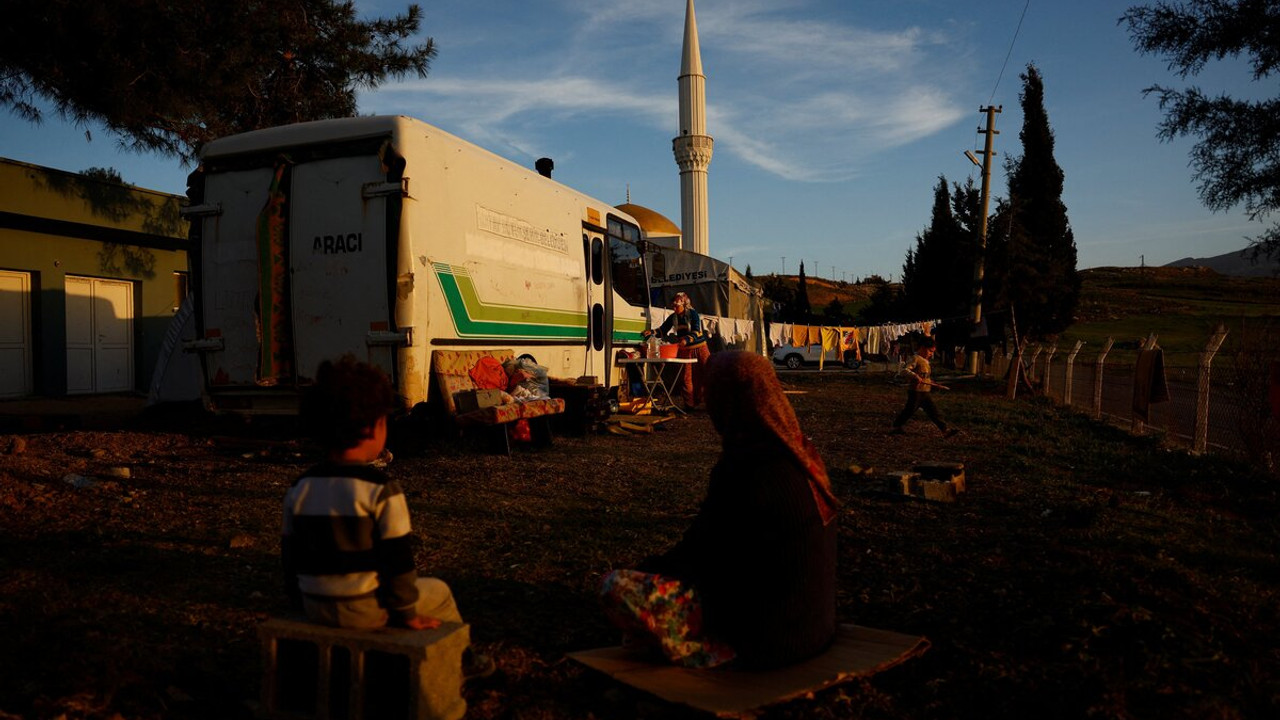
{"x": 1138, "y": 426}
{"x": 1048, "y": 360}
{"x": 1071, "y": 366}
{"x": 1015, "y": 369}
{"x": 1202, "y": 388}
{"x": 1097, "y": 379}
{"x": 1031, "y": 365}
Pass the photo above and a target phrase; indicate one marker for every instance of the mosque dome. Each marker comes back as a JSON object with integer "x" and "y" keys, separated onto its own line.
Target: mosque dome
{"x": 652, "y": 223}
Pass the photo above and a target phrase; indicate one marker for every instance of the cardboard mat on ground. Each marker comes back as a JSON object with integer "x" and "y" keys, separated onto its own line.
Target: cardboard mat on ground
{"x": 857, "y": 652}
{"x": 623, "y": 424}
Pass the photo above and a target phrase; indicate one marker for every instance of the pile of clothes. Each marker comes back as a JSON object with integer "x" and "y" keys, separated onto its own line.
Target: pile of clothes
{"x": 519, "y": 379}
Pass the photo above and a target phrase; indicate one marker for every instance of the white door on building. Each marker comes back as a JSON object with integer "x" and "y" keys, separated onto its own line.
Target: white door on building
{"x": 15, "y": 334}
{"x": 99, "y": 335}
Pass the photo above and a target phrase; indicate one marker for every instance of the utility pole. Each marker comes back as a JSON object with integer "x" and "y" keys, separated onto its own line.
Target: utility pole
{"x": 784, "y": 265}
{"x": 979, "y": 262}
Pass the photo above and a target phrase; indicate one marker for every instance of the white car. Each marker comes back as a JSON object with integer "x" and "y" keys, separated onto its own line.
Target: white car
{"x": 794, "y": 358}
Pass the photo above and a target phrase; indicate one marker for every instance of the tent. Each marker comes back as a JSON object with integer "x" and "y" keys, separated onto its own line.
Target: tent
{"x": 716, "y": 290}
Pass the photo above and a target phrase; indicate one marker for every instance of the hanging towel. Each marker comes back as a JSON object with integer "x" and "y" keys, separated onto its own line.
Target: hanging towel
{"x": 830, "y": 341}
{"x": 275, "y": 330}
{"x": 873, "y": 340}
{"x": 799, "y": 335}
{"x": 1149, "y": 384}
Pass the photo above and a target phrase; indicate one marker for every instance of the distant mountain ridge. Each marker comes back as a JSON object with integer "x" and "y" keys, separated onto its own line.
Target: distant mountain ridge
{"x": 1232, "y": 263}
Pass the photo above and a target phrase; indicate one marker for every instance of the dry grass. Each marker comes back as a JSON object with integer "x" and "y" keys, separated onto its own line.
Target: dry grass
{"x": 1084, "y": 573}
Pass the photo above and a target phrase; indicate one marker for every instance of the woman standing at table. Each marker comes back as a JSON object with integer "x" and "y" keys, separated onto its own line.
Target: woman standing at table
{"x": 686, "y": 323}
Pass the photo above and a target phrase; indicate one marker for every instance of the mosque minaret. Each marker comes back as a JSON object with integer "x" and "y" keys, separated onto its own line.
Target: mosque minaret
{"x": 693, "y": 145}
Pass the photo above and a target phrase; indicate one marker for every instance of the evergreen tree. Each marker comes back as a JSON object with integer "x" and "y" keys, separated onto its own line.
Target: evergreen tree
{"x": 167, "y": 77}
{"x": 937, "y": 275}
{"x": 1039, "y": 281}
{"x": 780, "y": 295}
{"x": 927, "y": 264}
{"x": 1237, "y": 160}
{"x": 802, "y": 308}
{"x": 966, "y": 207}
{"x": 834, "y": 311}
{"x": 884, "y": 306}
{"x": 748, "y": 273}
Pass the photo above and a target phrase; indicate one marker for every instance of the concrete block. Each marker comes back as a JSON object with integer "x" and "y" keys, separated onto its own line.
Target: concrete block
{"x": 939, "y": 490}
{"x": 903, "y": 482}
{"x": 952, "y": 472}
{"x": 915, "y": 483}
{"x": 313, "y": 671}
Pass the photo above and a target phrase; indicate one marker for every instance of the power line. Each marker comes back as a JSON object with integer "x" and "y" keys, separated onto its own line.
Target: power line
{"x": 1010, "y": 52}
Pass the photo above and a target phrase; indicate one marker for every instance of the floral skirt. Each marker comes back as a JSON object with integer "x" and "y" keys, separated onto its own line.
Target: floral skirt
{"x": 660, "y": 612}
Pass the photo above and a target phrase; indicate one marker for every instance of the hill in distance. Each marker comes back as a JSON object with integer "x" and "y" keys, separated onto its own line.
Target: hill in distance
{"x": 1182, "y": 305}
{"x": 1236, "y": 263}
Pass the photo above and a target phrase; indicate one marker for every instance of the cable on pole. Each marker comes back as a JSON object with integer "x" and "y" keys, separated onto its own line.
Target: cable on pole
{"x": 1013, "y": 40}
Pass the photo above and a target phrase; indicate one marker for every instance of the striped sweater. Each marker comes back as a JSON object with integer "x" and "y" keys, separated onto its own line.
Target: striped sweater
{"x": 346, "y": 535}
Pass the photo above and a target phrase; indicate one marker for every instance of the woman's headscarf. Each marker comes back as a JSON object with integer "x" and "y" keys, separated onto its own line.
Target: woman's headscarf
{"x": 747, "y": 406}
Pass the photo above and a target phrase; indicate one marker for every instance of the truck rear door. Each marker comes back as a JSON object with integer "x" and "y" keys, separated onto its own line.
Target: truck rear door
{"x": 339, "y": 254}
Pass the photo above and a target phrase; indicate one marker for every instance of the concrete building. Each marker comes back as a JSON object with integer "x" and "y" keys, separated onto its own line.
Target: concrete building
{"x": 91, "y": 274}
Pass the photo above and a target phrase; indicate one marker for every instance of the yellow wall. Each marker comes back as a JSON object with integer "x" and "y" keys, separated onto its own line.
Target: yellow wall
{"x": 54, "y": 223}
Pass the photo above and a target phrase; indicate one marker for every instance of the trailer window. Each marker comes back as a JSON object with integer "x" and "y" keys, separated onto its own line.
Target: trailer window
{"x": 597, "y": 261}
{"x": 597, "y": 326}
{"x": 626, "y": 263}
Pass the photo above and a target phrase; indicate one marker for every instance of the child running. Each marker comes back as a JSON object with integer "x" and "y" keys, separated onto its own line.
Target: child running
{"x": 918, "y": 393}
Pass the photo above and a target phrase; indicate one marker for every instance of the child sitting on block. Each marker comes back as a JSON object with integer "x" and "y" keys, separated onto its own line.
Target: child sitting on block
{"x": 345, "y": 545}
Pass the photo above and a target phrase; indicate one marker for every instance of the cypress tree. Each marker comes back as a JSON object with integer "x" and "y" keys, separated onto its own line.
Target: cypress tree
{"x": 803, "y": 309}
{"x": 1040, "y": 280}
{"x": 938, "y": 273}
{"x": 924, "y": 274}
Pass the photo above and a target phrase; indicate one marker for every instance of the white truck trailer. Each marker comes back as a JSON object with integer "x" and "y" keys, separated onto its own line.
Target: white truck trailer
{"x": 386, "y": 238}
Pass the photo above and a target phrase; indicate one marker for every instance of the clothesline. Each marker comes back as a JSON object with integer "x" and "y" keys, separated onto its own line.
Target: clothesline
{"x": 733, "y": 330}
{"x": 874, "y": 339}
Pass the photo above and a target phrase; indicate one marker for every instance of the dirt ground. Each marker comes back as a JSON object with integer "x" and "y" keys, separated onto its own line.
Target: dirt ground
{"x": 1083, "y": 574}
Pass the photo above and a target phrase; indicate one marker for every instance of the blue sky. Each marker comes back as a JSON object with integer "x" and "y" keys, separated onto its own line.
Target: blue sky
{"x": 832, "y": 118}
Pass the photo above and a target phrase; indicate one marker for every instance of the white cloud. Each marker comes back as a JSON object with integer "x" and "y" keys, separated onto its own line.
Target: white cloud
{"x": 800, "y": 98}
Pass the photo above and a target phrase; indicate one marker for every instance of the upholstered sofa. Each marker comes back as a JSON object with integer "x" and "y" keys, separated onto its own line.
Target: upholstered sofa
{"x": 451, "y": 372}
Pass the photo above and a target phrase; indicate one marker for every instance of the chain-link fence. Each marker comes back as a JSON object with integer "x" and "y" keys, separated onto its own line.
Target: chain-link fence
{"x": 1227, "y": 403}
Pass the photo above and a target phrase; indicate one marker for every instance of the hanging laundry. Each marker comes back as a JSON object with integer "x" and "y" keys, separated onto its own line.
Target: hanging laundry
{"x": 275, "y": 329}
{"x": 1149, "y": 383}
{"x": 830, "y": 341}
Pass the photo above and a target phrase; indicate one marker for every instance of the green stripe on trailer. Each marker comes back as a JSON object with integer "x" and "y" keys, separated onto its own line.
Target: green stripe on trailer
{"x": 474, "y": 318}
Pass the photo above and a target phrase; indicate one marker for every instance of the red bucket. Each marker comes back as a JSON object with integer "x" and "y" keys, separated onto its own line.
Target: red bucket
{"x": 668, "y": 351}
